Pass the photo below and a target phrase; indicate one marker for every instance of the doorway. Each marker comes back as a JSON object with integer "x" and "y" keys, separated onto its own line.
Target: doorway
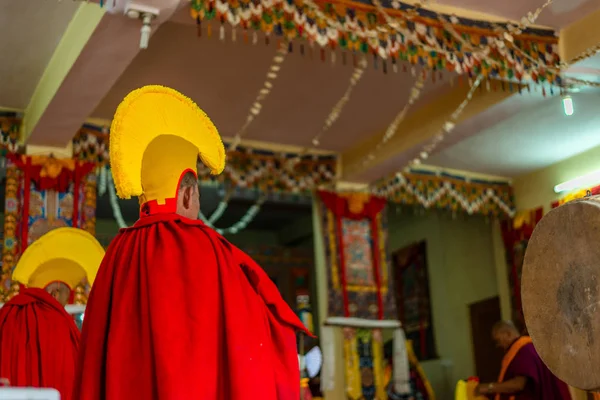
{"x": 484, "y": 314}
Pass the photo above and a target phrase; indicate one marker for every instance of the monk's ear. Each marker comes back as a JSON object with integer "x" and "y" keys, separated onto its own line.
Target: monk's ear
{"x": 187, "y": 197}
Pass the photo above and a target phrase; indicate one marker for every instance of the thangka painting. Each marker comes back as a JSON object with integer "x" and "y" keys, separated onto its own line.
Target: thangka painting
{"x": 355, "y": 236}
{"x": 42, "y": 194}
{"x": 413, "y": 299}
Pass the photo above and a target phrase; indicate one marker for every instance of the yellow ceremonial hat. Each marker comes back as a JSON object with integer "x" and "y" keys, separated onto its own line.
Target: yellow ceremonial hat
{"x": 156, "y": 136}
{"x": 66, "y": 255}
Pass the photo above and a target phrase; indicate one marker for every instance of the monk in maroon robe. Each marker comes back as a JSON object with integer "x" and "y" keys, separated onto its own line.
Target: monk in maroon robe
{"x": 523, "y": 375}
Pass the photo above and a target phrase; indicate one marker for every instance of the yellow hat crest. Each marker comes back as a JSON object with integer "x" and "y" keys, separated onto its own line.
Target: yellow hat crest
{"x": 65, "y": 254}
{"x": 156, "y": 134}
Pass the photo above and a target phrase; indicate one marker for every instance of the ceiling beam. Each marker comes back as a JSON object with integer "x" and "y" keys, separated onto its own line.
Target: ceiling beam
{"x": 96, "y": 66}
{"x": 579, "y": 36}
{"x": 417, "y": 129}
{"x": 78, "y": 32}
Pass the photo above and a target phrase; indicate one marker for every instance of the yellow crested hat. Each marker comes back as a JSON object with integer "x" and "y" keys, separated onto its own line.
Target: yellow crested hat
{"x": 65, "y": 254}
{"x": 156, "y": 136}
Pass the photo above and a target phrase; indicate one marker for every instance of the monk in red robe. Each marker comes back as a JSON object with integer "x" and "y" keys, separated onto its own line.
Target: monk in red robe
{"x": 38, "y": 338}
{"x": 177, "y": 312}
{"x": 523, "y": 375}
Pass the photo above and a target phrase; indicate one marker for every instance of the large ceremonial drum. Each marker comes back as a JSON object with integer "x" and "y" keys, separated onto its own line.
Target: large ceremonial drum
{"x": 561, "y": 291}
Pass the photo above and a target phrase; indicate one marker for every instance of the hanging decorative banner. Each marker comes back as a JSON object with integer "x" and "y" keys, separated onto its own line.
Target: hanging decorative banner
{"x": 419, "y": 37}
{"x": 246, "y": 168}
{"x": 10, "y": 125}
{"x": 355, "y": 237}
{"x": 447, "y": 192}
{"x": 43, "y": 193}
{"x": 364, "y": 364}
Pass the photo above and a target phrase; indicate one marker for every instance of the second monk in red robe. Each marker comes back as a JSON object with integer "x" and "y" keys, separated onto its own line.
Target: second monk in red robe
{"x": 177, "y": 312}
{"x": 38, "y": 338}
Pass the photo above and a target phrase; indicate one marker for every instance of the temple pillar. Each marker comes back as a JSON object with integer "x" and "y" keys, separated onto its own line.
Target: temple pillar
{"x": 333, "y": 385}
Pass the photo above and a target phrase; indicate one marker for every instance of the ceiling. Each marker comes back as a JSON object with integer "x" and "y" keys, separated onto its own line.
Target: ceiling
{"x": 559, "y": 14}
{"x": 295, "y": 111}
{"x": 509, "y": 136}
{"x": 539, "y": 134}
{"x": 30, "y": 31}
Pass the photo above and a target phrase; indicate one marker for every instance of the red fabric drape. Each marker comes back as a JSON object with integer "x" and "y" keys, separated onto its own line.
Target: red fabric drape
{"x": 61, "y": 182}
{"x": 340, "y": 208}
{"x": 511, "y": 236}
{"x": 38, "y": 342}
{"x": 177, "y": 312}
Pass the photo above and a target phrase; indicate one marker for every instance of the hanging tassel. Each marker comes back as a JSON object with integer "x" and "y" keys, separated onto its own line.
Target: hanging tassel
{"x": 510, "y": 87}
{"x": 322, "y": 54}
{"x": 199, "y": 26}
{"x": 384, "y": 67}
{"x": 433, "y": 77}
{"x": 354, "y": 59}
{"x": 290, "y": 47}
{"x": 544, "y": 91}
{"x": 487, "y": 85}
{"x": 520, "y": 89}
{"x": 101, "y": 3}
{"x": 267, "y": 40}
{"x": 333, "y": 57}
{"x": 374, "y": 60}
{"x": 254, "y": 37}
{"x": 301, "y": 49}
{"x": 551, "y": 91}
{"x": 528, "y": 88}
{"x": 404, "y": 69}
{"x": 209, "y": 30}
{"x": 394, "y": 65}
{"x": 503, "y": 87}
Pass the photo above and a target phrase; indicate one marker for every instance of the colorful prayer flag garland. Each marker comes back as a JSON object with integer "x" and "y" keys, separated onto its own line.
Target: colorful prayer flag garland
{"x": 256, "y": 107}
{"x": 448, "y": 192}
{"x": 418, "y": 39}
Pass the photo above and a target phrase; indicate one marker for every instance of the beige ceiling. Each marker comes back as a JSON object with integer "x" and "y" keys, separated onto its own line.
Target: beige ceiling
{"x": 538, "y": 135}
{"x": 224, "y": 77}
{"x": 30, "y": 31}
{"x": 558, "y": 15}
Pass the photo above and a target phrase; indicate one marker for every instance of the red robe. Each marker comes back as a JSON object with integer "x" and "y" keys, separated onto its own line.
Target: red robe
{"x": 177, "y": 312}
{"x": 38, "y": 342}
